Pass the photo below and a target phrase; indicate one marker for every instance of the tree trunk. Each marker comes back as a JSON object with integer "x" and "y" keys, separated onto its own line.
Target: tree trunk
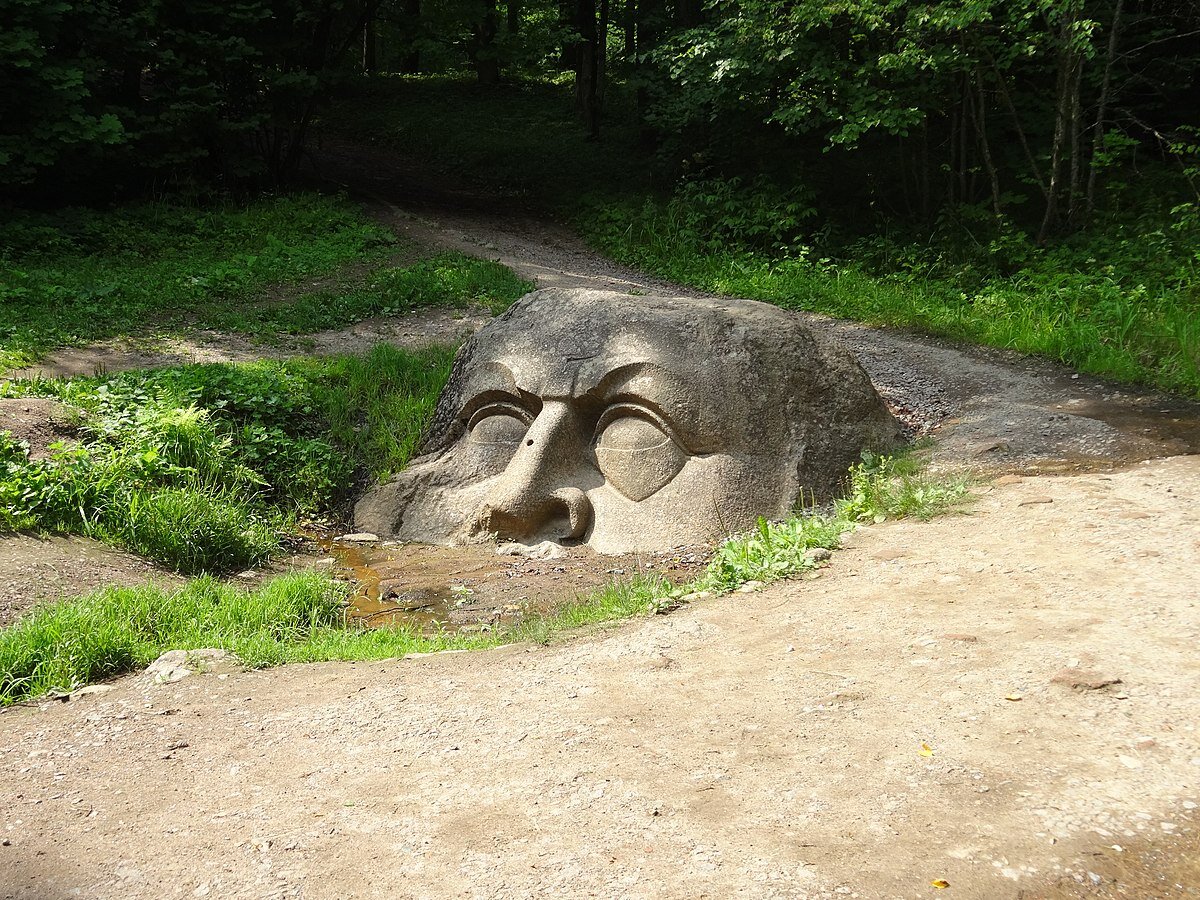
{"x": 631, "y": 18}
{"x": 587, "y": 69}
{"x": 1074, "y": 189}
{"x": 1002, "y": 89}
{"x": 410, "y": 62}
{"x": 1062, "y": 113}
{"x": 1102, "y": 111}
{"x": 985, "y": 147}
{"x": 602, "y": 54}
{"x": 513, "y": 10}
{"x": 482, "y": 48}
{"x": 368, "y": 48}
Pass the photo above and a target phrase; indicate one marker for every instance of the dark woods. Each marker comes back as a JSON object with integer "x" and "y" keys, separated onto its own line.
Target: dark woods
{"x": 144, "y": 92}
{"x": 1030, "y": 109}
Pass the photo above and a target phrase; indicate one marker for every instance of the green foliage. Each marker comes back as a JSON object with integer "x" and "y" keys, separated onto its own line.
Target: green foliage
{"x": 772, "y": 551}
{"x": 80, "y": 275}
{"x": 717, "y": 214}
{"x": 164, "y": 89}
{"x": 913, "y": 106}
{"x": 117, "y": 630}
{"x": 888, "y": 487}
{"x": 202, "y": 467}
{"x": 878, "y": 488}
{"x": 192, "y": 530}
{"x": 1120, "y": 302}
{"x": 448, "y": 279}
{"x": 619, "y": 599}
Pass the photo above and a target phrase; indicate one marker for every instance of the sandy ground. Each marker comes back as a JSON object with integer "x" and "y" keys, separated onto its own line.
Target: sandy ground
{"x": 1006, "y": 701}
{"x": 908, "y": 717}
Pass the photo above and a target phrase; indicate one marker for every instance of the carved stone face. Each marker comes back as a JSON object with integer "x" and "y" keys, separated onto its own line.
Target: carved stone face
{"x": 631, "y": 423}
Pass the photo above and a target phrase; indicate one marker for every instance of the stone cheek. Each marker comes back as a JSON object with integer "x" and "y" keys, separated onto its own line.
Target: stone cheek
{"x": 631, "y": 423}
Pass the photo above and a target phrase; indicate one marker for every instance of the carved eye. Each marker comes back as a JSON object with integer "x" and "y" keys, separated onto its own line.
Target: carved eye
{"x": 635, "y": 452}
{"x": 498, "y": 424}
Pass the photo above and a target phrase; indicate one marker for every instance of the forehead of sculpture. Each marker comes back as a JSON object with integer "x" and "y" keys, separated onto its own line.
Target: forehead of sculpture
{"x": 704, "y": 367}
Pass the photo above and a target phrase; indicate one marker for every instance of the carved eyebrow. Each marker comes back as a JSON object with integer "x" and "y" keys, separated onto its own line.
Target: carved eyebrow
{"x": 665, "y": 395}
{"x": 616, "y": 381}
{"x": 494, "y": 382}
{"x": 521, "y": 400}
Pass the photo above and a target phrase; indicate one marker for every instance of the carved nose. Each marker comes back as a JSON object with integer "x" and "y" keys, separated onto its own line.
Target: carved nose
{"x": 538, "y": 496}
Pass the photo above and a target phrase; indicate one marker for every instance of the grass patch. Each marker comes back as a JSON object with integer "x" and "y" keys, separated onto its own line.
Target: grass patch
{"x": 203, "y": 468}
{"x": 293, "y": 618}
{"x": 450, "y": 279}
{"x": 84, "y": 275}
{"x": 898, "y": 487}
{"x": 1123, "y": 305}
{"x": 301, "y": 617}
{"x": 79, "y": 275}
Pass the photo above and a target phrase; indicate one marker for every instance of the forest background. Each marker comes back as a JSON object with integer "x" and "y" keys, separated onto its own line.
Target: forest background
{"x": 1016, "y": 172}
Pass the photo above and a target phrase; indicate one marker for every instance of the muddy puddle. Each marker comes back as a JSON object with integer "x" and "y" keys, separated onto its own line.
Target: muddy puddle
{"x": 1172, "y": 426}
{"x": 1166, "y": 866}
{"x": 476, "y": 588}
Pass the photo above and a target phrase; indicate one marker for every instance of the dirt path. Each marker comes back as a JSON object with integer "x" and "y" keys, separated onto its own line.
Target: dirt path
{"x": 1007, "y": 701}
{"x": 766, "y": 745}
{"x": 993, "y": 410}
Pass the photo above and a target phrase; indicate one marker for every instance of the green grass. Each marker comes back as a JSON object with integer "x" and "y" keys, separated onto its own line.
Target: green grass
{"x": 203, "y": 468}
{"x": 79, "y": 275}
{"x": 301, "y": 617}
{"x": 293, "y": 618}
{"x": 450, "y": 279}
{"x": 1123, "y": 305}
{"x": 898, "y": 487}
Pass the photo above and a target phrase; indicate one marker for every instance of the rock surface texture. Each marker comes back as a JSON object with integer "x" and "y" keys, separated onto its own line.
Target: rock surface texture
{"x": 631, "y": 423}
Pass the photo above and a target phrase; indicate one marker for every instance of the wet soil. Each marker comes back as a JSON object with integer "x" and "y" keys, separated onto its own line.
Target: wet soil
{"x": 1167, "y": 866}
{"x": 474, "y": 587}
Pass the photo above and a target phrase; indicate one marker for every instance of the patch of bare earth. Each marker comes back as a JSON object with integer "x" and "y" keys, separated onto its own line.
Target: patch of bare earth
{"x": 412, "y": 331}
{"x": 474, "y": 587}
{"x": 999, "y": 701}
{"x": 36, "y": 422}
{"x": 35, "y": 570}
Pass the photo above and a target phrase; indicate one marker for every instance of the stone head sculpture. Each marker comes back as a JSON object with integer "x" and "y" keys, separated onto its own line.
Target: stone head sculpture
{"x": 631, "y": 423}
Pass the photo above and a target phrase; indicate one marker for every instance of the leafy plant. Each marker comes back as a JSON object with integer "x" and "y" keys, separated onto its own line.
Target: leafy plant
{"x": 201, "y": 468}
{"x": 772, "y": 551}
{"x": 889, "y": 487}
